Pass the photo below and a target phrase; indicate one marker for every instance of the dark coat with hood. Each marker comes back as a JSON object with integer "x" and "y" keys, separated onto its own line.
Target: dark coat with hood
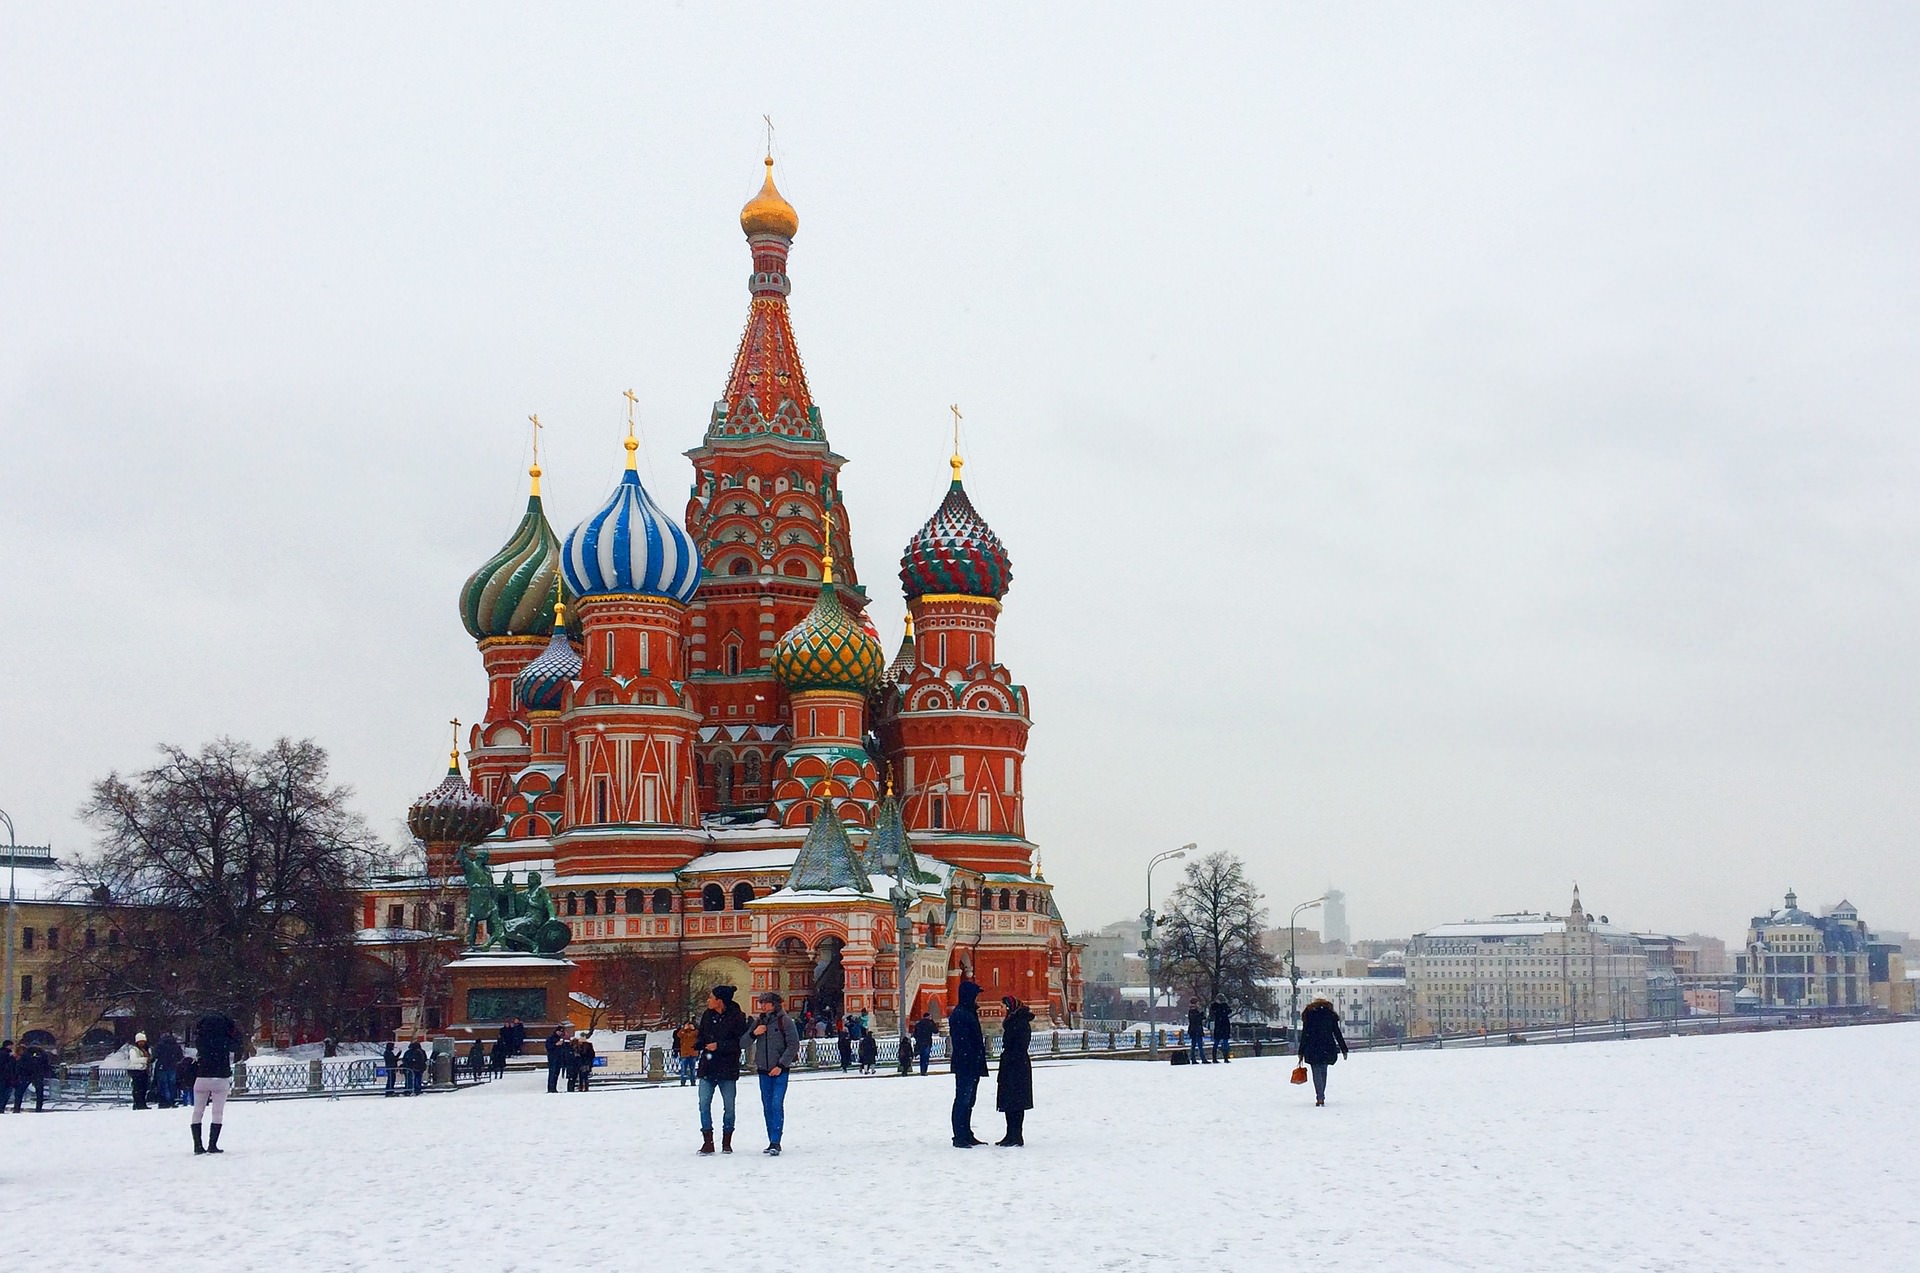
{"x": 724, "y": 1030}
{"x": 167, "y": 1051}
{"x": 965, "y": 1044}
{"x": 1015, "y": 1089}
{"x": 414, "y": 1058}
{"x": 217, "y": 1038}
{"x": 923, "y": 1032}
{"x": 1321, "y": 1042}
{"x": 8, "y": 1067}
{"x": 1222, "y": 1019}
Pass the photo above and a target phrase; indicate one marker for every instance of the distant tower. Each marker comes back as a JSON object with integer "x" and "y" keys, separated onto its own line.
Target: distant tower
{"x": 1333, "y": 918}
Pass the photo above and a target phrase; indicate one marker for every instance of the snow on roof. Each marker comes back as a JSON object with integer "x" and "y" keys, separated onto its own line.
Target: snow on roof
{"x": 391, "y": 936}
{"x": 743, "y": 860}
{"x": 486, "y": 959}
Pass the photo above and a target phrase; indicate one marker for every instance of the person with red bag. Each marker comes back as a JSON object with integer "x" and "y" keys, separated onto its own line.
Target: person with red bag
{"x": 1321, "y": 1044}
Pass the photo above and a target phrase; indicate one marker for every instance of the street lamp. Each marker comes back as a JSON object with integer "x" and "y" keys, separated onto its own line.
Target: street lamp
{"x": 1153, "y": 989}
{"x": 13, "y": 855}
{"x": 1293, "y": 959}
{"x": 903, "y": 941}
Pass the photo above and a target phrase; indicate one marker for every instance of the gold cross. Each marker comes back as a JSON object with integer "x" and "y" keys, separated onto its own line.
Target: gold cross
{"x": 956, "y": 463}
{"x": 633, "y": 400}
{"x": 769, "y": 123}
{"x": 455, "y": 756}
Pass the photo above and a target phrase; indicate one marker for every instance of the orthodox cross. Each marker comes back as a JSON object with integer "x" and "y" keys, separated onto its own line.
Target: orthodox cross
{"x": 769, "y": 122}
{"x": 956, "y": 461}
{"x": 633, "y": 400}
{"x": 455, "y": 755}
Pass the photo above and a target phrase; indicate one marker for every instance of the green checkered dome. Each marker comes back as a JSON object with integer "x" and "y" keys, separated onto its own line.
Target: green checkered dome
{"x": 828, "y": 650}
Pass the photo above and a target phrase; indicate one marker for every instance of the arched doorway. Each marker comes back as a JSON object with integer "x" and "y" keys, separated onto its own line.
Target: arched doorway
{"x": 829, "y": 979}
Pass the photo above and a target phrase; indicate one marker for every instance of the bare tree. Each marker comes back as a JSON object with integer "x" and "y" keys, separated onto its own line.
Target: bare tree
{"x": 230, "y": 876}
{"x": 644, "y": 988}
{"x": 1212, "y": 935}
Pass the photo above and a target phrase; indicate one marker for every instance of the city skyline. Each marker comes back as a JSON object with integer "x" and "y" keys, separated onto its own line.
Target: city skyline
{"x": 1458, "y": 457}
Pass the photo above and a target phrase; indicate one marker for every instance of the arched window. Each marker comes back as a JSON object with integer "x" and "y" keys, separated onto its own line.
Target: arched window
{"x": 733, "y": 659}
{"x": 750, "y": 769}
{"x": 1020, "y": 900}
{"x": 740, "y": 566}
{"x": 573, "y": 904}
{"x": 637, "y": 901}
{"x": 797, "y": 569}
{"x": 609, "y": 901}
{"x": 986, "y": 899}
{"x": 1006, "y": 897}
{"x": 712, "y": 898}
{"x": 742, "y": 894}
{"x": 722, "y": 778}
{"x": 593, "y": 902}
{"x": 663, "y": 901}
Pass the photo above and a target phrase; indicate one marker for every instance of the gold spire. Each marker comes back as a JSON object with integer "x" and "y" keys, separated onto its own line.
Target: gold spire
{"x": 826, "y": 552}
{"x": 453, "y": 757}
{"x": 534, "y": 472}
{"x": 559, "y": 605}
{"x": 633, "y": 443}
{"x": 956, "y": 462}
{"x": 909, "y": 625}
{"x": 768, "y": 212}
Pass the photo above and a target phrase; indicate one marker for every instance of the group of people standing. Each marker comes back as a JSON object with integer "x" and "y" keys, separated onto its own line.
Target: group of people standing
{"x": 569, "y": 1055}
{"x": 28, "y": 1067}
{"x": 1220, "y": 1016}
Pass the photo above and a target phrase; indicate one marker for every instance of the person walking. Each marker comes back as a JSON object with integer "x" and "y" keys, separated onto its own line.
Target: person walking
{"x": 843, "y": 1036}
{"x": 686, "y": 1047}
{"x": 390, "y": 1060}
{"x": 869, "y": 1051}
{"x": 139, "y": 1068}
{"x": 1222, "y": 1031}
{"x": 1321, "y": 1043}
{"x": 414, "y": 1062}
{"x": 583, "y": 1061}
{"x": 1196, "y": 1033}
{"x": 8, "y": 1068}
{"x": 967, "y": 1049}
{"x": 186, "y": 1074}
{"x": 721, "y": 1028}
{"x": 498, "y": 1058}
{"x": 32, "y": 1070}
{"x": 556, "y": 1058}
{"x": 773, "y": 1046}
{"x": 167, "y": 1055}
{"x": 477, "y": 1061}
{"x": 923, "y": 1031}
{"x": 218, "y": 1040}
{"x": 1013, "y": 1094}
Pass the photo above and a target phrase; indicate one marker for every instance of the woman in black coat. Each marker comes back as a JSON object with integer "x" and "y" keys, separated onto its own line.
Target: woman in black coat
{"x": 1013, "y": 1095}
{"x": 1321, "y": 1043}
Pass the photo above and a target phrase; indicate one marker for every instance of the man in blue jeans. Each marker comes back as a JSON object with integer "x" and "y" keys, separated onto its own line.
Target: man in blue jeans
{"x": 923, "y": 1032}
{"x": 773, "y": 1045}
{"x": 722, "y": 1027}
{"x": 967, "y": 1048}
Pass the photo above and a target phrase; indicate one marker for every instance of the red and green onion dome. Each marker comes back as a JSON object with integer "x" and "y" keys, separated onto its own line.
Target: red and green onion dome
{"x": 514, "y": 593}
{"x": 453, "y": 812}
{"x": 956, "y": 552}
{"x": 829, "y": 649}
{"x": 541, "y": 684}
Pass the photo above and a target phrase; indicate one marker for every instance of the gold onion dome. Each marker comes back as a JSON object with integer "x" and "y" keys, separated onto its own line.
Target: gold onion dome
{"x": 829, "y": 650}
{"x": 768, "y": 212}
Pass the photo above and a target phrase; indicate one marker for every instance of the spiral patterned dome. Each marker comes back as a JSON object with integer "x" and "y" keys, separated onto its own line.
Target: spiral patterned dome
{"x": 541, "y": 684}
{"x": 453, "y": 812}
{"x": 514, "y": 593}
{"x": 630, "y": 546}
{"x": 828, "y": 650}
{"x": 956, "y": 552}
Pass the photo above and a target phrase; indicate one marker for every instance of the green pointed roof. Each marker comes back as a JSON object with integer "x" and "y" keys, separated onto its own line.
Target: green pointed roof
{"x": 827, "y": 859}
{"x": 889, "y": 851}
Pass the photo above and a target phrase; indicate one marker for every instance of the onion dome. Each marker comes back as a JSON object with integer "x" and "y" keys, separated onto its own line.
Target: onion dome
{"x": 514, "y": 593}
{"x": 630, "y": 546}
{"x": 829, "y": 650}
{"x": 541, "y": 684}
{"x": 768, "y": 212}
{"x": 956, "y": 551}
{"x": 453, "y": 812}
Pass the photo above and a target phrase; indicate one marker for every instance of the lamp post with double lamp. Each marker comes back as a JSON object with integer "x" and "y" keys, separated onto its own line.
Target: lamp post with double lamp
{"x": 13, "y": 853}
{"x": 1153, "y": 988}
{"x": 903, "y": 942}
{"x": 1293, "y": 961}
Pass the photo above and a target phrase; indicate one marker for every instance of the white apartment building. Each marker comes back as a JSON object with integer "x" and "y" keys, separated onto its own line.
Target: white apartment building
{"x": 1513, "y": 972}
{"x": 1369, "y": 1007}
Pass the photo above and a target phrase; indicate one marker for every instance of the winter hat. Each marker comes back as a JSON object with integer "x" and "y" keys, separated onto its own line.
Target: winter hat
{"x": 1009, "y": 1002}
{"x": 141, "y": 1037}
{"x": 969, "y": 991}
{"x": 723, "y": 993}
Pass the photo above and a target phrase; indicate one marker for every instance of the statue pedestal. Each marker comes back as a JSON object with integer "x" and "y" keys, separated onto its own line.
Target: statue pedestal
{"x": 491, "y": 986}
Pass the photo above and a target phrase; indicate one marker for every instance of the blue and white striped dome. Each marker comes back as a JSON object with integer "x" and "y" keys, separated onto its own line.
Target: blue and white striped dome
{"x": 630, "y": 546}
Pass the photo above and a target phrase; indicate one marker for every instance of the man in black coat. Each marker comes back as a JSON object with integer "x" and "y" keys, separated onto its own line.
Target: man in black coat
{"x": 167, "y": 1055}
{"x": 8, "y": 1068}
{"x": 721, "y": 1028}
{"x": 1321, "y": 1043}
{"x": 968, "y": 1047}
{"x": 556, "y": 1060}
{"x": 923, "y": 1032}
{"x": 1196, "y": 1033}
{"x": 390, "y": 1059}
{"x": 31, "y": 1071}
{"x": 1222, "y": 1031}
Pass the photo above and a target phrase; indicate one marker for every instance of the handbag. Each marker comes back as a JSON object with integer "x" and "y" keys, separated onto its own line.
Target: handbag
{"x": 1299, "y": 1074}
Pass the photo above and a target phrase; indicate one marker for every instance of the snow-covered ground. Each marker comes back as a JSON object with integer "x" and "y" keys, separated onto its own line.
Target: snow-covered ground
{"x": 1749, "y": 1152}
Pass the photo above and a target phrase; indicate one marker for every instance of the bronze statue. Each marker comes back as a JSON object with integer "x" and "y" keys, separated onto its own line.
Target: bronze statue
{"x": 482, "y": 903}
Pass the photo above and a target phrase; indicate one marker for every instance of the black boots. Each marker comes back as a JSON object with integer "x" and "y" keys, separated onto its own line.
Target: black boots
{"x": 1016, "y": 1127}
{"x": 198, "y": 1148}
{"x": 706, "y": 1141}
{"x": 726, "y": 1141}
{"x": 213, "y": 1140}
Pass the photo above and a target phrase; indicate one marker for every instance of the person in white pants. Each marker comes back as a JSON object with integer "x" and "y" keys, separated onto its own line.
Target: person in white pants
{"x": 218, "y": 1040}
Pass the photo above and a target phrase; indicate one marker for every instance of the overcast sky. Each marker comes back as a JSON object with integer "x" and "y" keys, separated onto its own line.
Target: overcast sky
{"x": 1447, "y": 455}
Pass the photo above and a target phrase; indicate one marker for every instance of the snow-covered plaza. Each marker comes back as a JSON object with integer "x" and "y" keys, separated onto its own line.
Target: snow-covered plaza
{"x": 1789, "y": 1150}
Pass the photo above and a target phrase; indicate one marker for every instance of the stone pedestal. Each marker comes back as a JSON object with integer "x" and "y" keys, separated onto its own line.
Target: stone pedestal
{"x": 489, "y": 987}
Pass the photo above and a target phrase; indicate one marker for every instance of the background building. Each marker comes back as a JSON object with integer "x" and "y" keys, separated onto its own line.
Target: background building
{"x": 1796, "y": 960}
{"x": 1333, "y": 919}
{"x": 1516, "y": 971}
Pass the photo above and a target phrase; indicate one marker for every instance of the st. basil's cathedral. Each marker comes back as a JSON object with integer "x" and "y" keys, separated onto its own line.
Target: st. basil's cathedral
{"x": 694, "y": 738}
